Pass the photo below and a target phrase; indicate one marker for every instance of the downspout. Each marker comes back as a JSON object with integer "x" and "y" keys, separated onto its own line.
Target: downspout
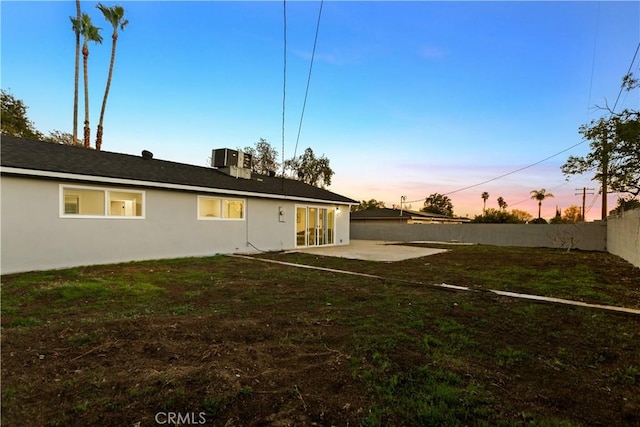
{"x": 246, "y": 219}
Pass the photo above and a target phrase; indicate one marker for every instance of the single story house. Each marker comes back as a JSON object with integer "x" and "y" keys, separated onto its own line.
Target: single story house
{"x": 65, "y": 206}
{"x": 395, "y": 216}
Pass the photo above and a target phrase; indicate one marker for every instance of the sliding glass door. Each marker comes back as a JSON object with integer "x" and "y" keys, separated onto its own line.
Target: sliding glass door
{"x": 315, "y": 226}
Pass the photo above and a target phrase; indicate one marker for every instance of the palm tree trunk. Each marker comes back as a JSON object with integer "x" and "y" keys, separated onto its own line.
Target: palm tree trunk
{"x": 87, "y": 130}
{"x": 76, "y": 78}
{"x": 106, "y": 91}
{"x": 539, "y": 209}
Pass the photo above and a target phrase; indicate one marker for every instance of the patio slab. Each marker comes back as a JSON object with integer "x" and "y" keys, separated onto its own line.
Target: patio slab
{"x": 372, "y": 250}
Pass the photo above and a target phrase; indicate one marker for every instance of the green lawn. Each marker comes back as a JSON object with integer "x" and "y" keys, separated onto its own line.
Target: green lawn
{"x": 246, "y": 342}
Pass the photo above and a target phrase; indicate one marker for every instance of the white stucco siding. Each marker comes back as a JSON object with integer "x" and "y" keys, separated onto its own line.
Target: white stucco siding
{"x": 36, "y": 237}
{"x": 343, "y": 225}
{"x": 268, "y": 231}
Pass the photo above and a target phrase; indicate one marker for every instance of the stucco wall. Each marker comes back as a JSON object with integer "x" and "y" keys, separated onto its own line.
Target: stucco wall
{"x": 587, "y": 236}
{"x": 623, "y": 236}
{"x": 34, "y": 237}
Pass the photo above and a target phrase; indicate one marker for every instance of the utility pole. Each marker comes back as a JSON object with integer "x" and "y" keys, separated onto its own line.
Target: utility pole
{"x": 584, "y": 198}
{"x": 605, "y": 174}
{"x": 402, "y": 200}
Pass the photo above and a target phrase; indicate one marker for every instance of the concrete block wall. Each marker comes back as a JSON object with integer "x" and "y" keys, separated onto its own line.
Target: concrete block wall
{"x": 623, "y": 236}
{"x": 590, "y": 236}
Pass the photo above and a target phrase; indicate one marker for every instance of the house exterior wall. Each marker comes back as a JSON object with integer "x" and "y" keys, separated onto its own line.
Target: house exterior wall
{"x": 623, "y": 236}
{"x": 35, "y": 237}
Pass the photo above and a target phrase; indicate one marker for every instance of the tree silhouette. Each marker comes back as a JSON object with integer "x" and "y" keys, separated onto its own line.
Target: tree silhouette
{"x": 485, "y": 197}
{"x": 540, "y": 195}
{"x": 115, "y": 16}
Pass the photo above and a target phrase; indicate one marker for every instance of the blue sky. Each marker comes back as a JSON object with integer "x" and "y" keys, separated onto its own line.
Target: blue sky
{"x": 406, "y": 98}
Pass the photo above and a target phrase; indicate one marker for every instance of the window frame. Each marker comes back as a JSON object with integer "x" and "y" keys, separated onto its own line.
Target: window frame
{"x": 221, "y": 201}
{"x": 106, "y": 198}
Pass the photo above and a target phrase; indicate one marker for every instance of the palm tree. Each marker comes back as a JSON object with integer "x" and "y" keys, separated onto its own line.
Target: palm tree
{"x": 90, "y": 34}
{"x": 77, "y": 29}
{"x": 115, "y": 16}
{"x": 485, "y": 197}
{"x": 540, "y": 195}
{"x": 501, "y": 203}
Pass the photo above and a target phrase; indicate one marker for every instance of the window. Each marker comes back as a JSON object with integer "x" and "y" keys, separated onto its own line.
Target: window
{"x": 101, "y": 202}
{"x": 214, "y": 208}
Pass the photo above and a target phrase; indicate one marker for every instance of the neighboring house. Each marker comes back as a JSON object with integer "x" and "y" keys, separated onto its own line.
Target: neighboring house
{"x": 394, "y": 216}
{"x": 65, "y": 206}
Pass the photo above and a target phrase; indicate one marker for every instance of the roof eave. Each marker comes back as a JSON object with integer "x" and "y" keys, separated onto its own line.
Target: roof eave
{"x": 7, "y": 170}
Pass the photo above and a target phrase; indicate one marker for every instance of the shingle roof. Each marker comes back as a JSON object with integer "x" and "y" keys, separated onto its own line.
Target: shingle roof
{"x": 380, "y": 213}
{"x": 49, "y": 157}
{"x": 386, "y": 213}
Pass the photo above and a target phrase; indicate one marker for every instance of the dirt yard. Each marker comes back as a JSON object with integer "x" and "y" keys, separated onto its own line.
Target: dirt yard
{"x": 231, "y": 342}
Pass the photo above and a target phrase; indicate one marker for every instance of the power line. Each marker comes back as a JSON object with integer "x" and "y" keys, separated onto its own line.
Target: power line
{"x": 306, "y": 92}
{"x": 284, "y": 79}
{"x": 551, "y": 189}
{"x": 509, "y": 173}
{"x": 547, "y": 158}
{"x": 593, "y": 202}
{"x": 628, "y": 71}
{"x": 593, "y": 59}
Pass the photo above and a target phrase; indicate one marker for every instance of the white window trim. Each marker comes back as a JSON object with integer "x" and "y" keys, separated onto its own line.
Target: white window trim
{"x": 306, "y": 207}
{"x": 221, "y": 200}
{"x": 105, "y": 191}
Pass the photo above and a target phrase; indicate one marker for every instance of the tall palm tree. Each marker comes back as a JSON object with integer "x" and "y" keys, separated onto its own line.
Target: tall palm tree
{"x": 540, "y": 195}
{"x": 485, "y": 197}
{"x": 115, "y": 16}
{"x": 77, "y": 29}
{"x": 501, "y": 203}
{"x": 90, "y": 34}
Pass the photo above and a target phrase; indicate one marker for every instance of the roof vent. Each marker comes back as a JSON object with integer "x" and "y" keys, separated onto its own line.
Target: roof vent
{"x": 147, "y": 154}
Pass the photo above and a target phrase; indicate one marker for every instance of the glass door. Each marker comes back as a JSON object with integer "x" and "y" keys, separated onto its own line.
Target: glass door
{"x": 315, "y": 226}
{"x": 301, "y": 226}
{"x": 322, "y": 227}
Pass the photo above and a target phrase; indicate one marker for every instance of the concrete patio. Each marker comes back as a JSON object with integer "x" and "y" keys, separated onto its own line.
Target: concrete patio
{"x": 372, "y": 250}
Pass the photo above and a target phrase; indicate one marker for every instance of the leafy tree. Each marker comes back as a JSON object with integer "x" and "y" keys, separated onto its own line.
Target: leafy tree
{"x": 115, "y": 16}
{"x": 625, "y": 204}
{"x": 485, "y": 197}
{"x": 557, "y": 219}
{"x": 59, "y": 137}
{"x": 502, "y": 204}
{"x": 76, "y": 26}
{"x": 438, "y": 204}
{"x": 523, "y": 216}
{"x": 311, "y": 169}
{"x": 539, "y": 221}
{"x": 367, "y": 204}
{"x": 90, "y": 34}
{"x": 495, "y": 216}
{"x": 14, "y": 120}
{"x": 264, "y": 157}
{"x": 540, "y": 195}
{"x": 615, "y": 149}
{"x": 572, "y": 214}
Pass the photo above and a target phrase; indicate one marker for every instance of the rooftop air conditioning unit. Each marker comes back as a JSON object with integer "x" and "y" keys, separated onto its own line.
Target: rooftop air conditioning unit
{"x": 232, "y": 162}
{"x": 225, "y": 157}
